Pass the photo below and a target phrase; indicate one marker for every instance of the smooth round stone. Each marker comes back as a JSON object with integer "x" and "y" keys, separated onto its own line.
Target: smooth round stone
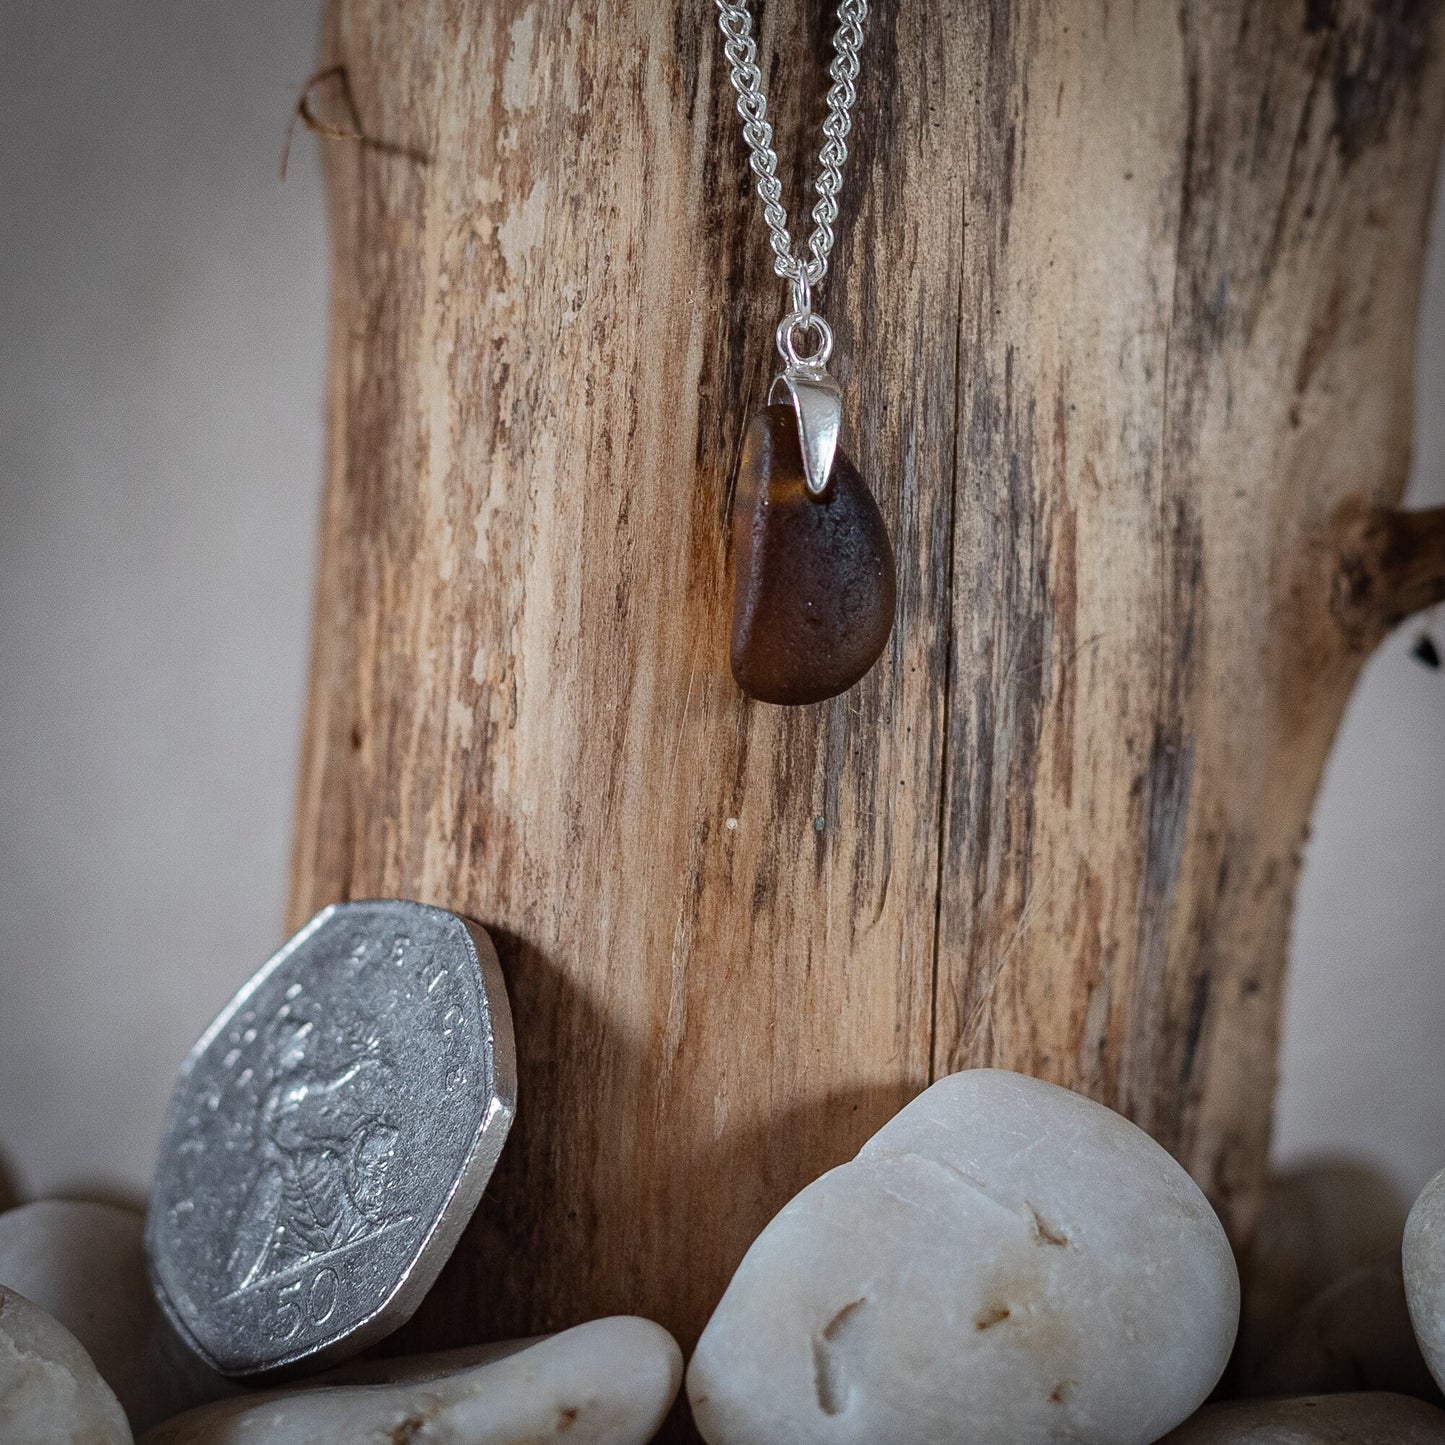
{"x": 1356, "y": 1419}
{"x": 9, "y": 1190}
{"x": 50, "y": 1391}
{"x": 1423, "y": 1256}
{"x": 1003, "y": 1261}
{"x": 1317, "y": 1222}
{"x": 83, "y": 1264}
{"x": 609, "y": 1382}
{"x": 1354, "y": 1335}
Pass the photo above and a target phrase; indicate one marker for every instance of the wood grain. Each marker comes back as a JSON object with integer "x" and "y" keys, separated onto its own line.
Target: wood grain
{"x": 1125, "y": 302}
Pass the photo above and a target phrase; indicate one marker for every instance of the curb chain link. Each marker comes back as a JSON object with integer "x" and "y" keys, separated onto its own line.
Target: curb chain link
{"x": 741, "y": 51}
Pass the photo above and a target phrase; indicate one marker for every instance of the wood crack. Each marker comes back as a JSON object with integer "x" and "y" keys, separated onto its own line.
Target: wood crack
{"x": 946, "y": 723}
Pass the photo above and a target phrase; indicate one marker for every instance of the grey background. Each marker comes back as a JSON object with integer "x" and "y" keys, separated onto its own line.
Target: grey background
{"x": 162, "y": 329}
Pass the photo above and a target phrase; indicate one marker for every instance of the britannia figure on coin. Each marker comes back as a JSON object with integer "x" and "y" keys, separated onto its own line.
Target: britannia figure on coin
{"x": 324, "y": 1155}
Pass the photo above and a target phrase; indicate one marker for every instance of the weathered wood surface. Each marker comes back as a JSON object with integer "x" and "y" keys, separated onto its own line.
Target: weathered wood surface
{"x": 1125, "y": 303}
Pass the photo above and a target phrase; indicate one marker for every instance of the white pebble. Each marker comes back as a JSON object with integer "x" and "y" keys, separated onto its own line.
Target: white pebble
{"x": 609, "y": 1382}
{"x": 1423, "y": 1256}
{"x": 83, "y": 1263}
{"x": 9, "y": 1191}
{"x": 1353, "y": 1335}
{"x": 50, "y": 1393}
{"x": 1318, "y": 1222}
{"x": 1355, "y": 1419}
{"x": 1003, "y": 1261}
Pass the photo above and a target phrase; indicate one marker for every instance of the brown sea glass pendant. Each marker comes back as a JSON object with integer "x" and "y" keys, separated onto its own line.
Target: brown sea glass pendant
{"x": 814, "y": 593}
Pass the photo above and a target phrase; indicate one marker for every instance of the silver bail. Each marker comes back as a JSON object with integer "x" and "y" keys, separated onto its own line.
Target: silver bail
{"x": 817, "y": 401}
{"x": 818, "y": 405}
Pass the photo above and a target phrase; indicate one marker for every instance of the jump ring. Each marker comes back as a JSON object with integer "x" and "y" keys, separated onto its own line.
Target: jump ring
{"x": 802, "y": 294}
{"x": 806, "y": 321}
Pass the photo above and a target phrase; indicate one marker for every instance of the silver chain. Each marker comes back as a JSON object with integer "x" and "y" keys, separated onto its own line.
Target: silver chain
{"x": 741, "y": 50}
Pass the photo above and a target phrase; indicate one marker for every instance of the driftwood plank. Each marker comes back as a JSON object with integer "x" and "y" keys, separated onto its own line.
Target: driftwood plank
{"x": 1125, "y": 302}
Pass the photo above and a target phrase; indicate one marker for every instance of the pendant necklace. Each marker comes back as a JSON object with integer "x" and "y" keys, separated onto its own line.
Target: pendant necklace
{"x": 814, "y": 592}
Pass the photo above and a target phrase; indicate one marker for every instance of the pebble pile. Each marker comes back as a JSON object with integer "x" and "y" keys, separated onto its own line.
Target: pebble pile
{"x": 1004, "y": 1261}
